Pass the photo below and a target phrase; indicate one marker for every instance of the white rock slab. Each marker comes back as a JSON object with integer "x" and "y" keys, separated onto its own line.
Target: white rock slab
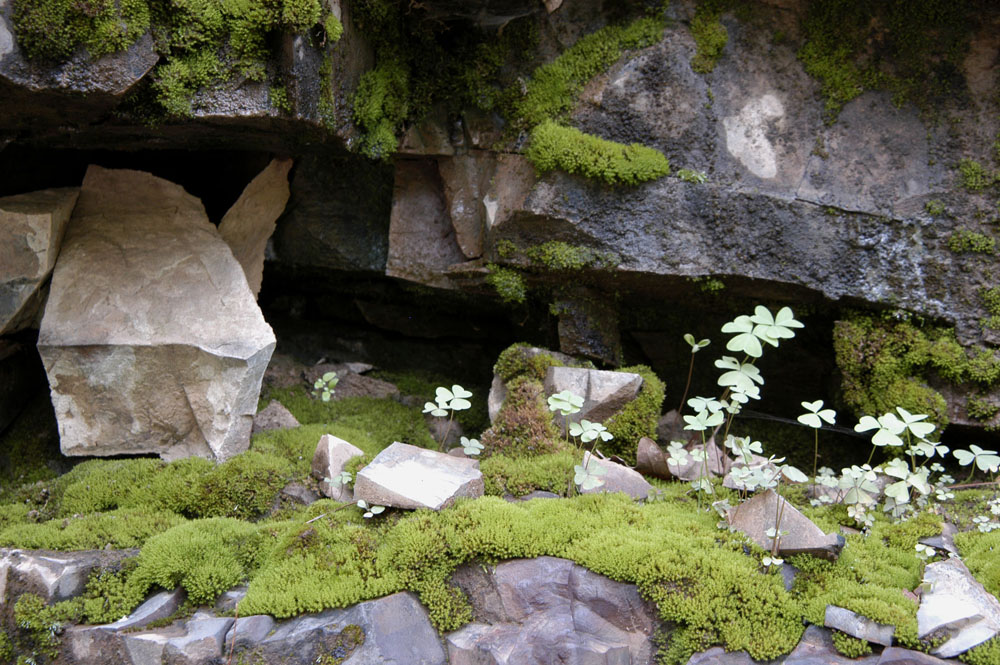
{"x": 858, "y": 626}
{"x": 151, "y": 338}
{"x": 405, "y": 476}
{"x": 955, "y": 607}
{"x": 250, "y": 222}
{"x": 31, "y": 230}
{"x": 331, "y": 456}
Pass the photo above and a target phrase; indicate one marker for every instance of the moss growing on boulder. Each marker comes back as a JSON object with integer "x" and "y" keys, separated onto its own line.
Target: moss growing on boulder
{"x": 638, "y": 418}
{"x": 524, "y": 425}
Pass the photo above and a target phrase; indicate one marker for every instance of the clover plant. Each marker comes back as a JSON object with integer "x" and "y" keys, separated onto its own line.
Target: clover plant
{"x": 814, "y": 417}
{"x": 471, "y": 446}
{"x": 567, "y": 403}
{"x": 370, "y": 511}
{"x": 696, "y": 346}
{"x": 446, "y": 403}
{"x": 323, "y": 388}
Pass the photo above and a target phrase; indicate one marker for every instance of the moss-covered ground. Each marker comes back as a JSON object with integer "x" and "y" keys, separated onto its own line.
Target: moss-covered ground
{"x": 207, "y": 528}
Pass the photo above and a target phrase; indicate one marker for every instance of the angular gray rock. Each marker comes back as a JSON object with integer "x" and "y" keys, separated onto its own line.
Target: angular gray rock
{"x": 158, "y": 606}
{"x": 248, "y": 631}
{"x": 550, "y": 611}
{"x": 201, "y": 643}
{"x": 956, "y": 609}
{"x": 618, "y": 478}
{"x": 405, "y": 476}
{"x": 464, "y": 179}
{"x": 54, "y": 576}
{"x": 756, "y": 516}
{"x": 394, "y": 630}
{"x": 331, "y": 455}
{"x": 650, "y": 460}
{"x": 151, "y": 339}
{"x": 274, "y": 416}
{"x": 248, "y": 224}
{"x": 31, "y": 231}
{"x": 858, "y": 626}
{"x": 604, "y": 393}
{"x": 422, "y": 242}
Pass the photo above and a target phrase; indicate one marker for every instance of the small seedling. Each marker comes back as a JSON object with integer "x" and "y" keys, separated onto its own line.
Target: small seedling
{"x": 567, "y": 403}
{"x": 323, "y": 388}
{"x": 696, "y": 346}
{"x": 370, "y": 511}
{"x": 588, "y": 476}
{"x": 446, "y": 403}
{"x": 814, "y": 417}
{"x": 342, "y": 479}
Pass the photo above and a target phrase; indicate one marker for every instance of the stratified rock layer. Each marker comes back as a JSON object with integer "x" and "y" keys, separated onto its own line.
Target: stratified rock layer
{"x": 151, "y": 338}
{"x": 31, "y": 228}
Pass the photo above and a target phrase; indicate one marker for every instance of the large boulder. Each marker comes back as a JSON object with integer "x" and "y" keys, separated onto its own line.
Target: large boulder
{"x": 604, "y": 393}
{"x": 151, "y": 338}
{"x": 31, "y": 230}
{"x": 550, "y": 610}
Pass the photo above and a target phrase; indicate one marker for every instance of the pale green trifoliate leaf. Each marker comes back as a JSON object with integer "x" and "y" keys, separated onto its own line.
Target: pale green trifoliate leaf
{"x": 912, "y": 423}
{"x": 695, "y": 346}
{"x": 745, "y": 341}
{"x": 986, "y": 460}
{"x": 434, "y": 409}
{"x": 793, "y": 474}
{"x": 700, "y": 404}
{"x": 772, "y": 328}
{"x": 816, "y": 414}
{"x": 565, "y": 402}
{"x": 704, "y": 421}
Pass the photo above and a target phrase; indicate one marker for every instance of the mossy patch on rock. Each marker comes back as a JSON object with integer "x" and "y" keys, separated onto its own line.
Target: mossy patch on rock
{"x": 524, "y": 425}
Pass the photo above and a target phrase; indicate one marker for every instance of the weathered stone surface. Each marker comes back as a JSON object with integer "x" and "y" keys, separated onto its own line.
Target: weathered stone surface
{"x": 588, "y": 325}
{"x": 405, "y": 476}
{"x": 858, "y": 626}
{"x": 944, "y": 541}
{"x": 159, "y": 606}
{"x": 956, "y": 609}
{"x": 54, "y": 576}
{"x": 331, "y": 455}
{"x": 151, "y": 339}
{"x": 229, "y": 599}
{"x": 618, "y": 478}
{"x": 359, "y": 385}
{"x": 395, "y": 630}
{"x": 430, "y": 136}
{"x": 650, "y": 460}
{"x": 898, "y": 656}
{"x": 464, "y": 179}
{"x": 31, "y": 231}
{"x": 202, "y": 641}
{"x": 755, "y": 516}
{"x": 251, "y": 221}
{"x": 248, "y": 631}
{"x": 498, "y": 390}
{"x": 550, "y": 610}
{"x": 21, "y": 378}
{"x": 146, "y": 648}
{"x": 274, "y": 416}
{"x": 422, "y": 243}
{"x": 604, "y": 393}
{"x": 297, "y": 493}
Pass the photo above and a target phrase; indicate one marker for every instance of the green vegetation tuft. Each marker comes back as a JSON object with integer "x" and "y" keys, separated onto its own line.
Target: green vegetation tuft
{"x": 884, "y": 364}
{"x": 710, "y": 37}
{"x": 964, "y": 240}
{"x": 524, "y": 425}
{"x": 559, "y": 255}
{"x": 850, "y": 646}
{"x": 914, "y": 49}
{"x": 638, "y": 418}
{"x": 553, "y": 88}
{"x": 508, "y": 283}
{"x": 987, "y": 653}
{"x": 979, "y": 553}
{"x": 934, "y": 208}
{"x": 974, "y": 176}
{"x": 381, "y": 104}
{"x": 568, "y": 149}
{"x": 518, "y": 476}
{"x": 55, "y": 29}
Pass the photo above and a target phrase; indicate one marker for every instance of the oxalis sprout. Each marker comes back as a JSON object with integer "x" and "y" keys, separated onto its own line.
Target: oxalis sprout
{"x": 567, "y": 403}
{"x": 696, "y": 346}
{"x": 587, "y": 475}
{"x": 446, "y": 403}
{"x": 323, "y": 388}
{"x": 814, "y": 417}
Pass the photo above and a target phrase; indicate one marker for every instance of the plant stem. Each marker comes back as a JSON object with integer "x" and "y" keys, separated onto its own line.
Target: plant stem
{"x": 779, "y": 512}
{"x": 687, "y": 385}
{"x": 447, "y": 431}
{"x": 871, "y": 455}
{"x": 815, "y": 452}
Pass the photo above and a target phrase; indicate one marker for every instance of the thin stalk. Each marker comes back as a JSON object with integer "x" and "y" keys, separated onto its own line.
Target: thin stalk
{"x": 236, "y": 617}
{"x": 871, "y": 455}
{"x": 815, "y": 451}
{"x": 447, "y": 431}
{"x": 688, "y": 384}
{"x": 778, "y": 514}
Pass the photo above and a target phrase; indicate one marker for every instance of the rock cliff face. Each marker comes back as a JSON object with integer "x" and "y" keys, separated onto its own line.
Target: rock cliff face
{"x": 880, "y": 194}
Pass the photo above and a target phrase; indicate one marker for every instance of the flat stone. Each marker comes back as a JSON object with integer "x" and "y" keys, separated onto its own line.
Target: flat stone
{"x": 650, "y": 460}
{"x": 816, "y": 648}
{"x": 148, "y": 648}
{"x": 247, "y": 632}
{"x": 248, "y": 224}
{"x": 955, "y": 608}
{"x": 274, "y": 416}
{"x": 358, "y": 385}
{"x": 331, "y": 455}
{"x": 201, "y": 643}
{"x": 405, "y": 476}
{"x": 719, "y": 656}
{"x": 756, "y": 515}
{"x": 604, "y": 393}
{"x": 618, "y": 478}
{"x": 945, "y": 540}
{"x": 159, "y": 606}
{"x": 899, "y": 656}
{"x": 858, "y": 626}
{"x": 151, "y": 338}
{"x": 54, "y": 576}
{"x": 31, "y": 232}
{"x": 298, "y": 493}
{"x": 228, "y": 600}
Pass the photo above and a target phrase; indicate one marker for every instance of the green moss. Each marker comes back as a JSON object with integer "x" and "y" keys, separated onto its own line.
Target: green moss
{"x": 980, "y": 408}
{"x": 979, "y": 553}
{"x": 638, "y": 418}
{"x": 278, "y": 96}
{"x": 518, "y": 360}
{"x": 29, "y": 449}
{"x": 40, "y": 625}
{"x": 884, "y": 364}
{"x": 508, "y": 283}
{"x": 565, "y": 148}
{"x": 372, "y": 422}
{"x": 333, "y": 28}
{"x": 934, "y": 208}
{"x": 849, "y": 646}
{"x": 518, "y": 476}
{"x": 914, "y": 49}
{"x": 243, "y": 487}
{"x": 524, "y": 425}
{"x": 6, "y": 647}
{"x": 559, "y": 255}
{"x": 55, "y": 29}
{"x": 710, "y": 37}
{"x": 987, "y": 653}
{"x": 974, "y": 176}
{"x": 964, "y": 240}
{"x": 381, "y": 103}
{"x": 553, "y": 88}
